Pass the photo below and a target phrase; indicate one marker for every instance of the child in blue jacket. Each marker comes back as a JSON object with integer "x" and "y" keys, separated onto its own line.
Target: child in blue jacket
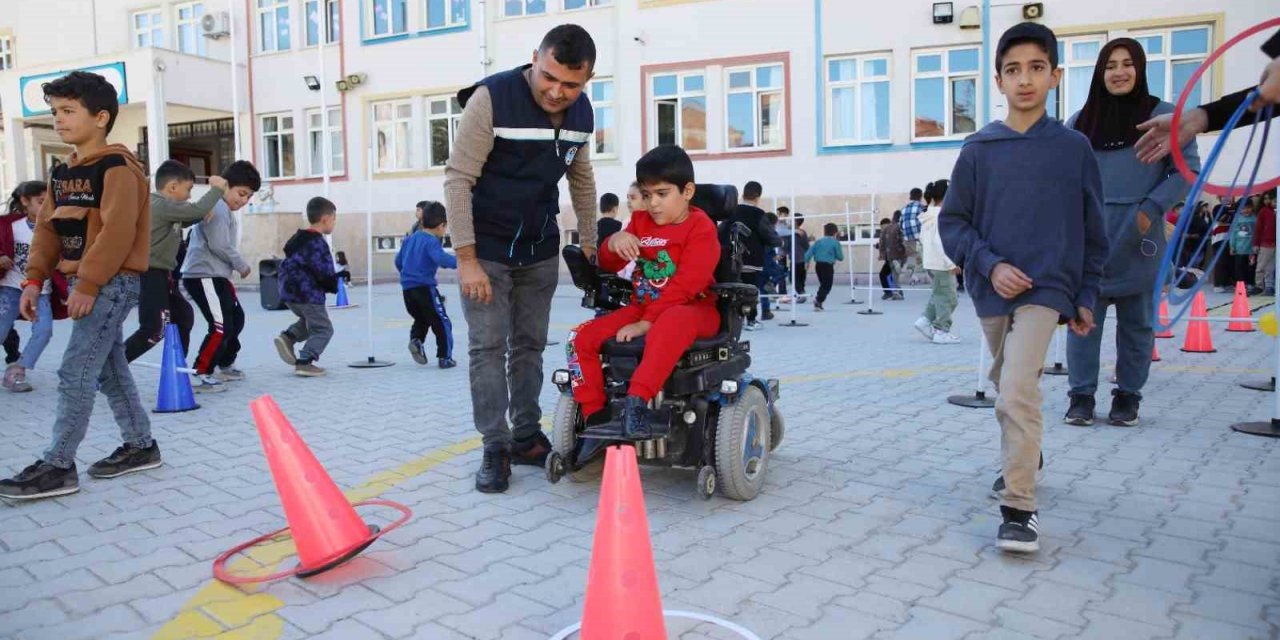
{"x": 420, "y": 256}
{"x": 306, "y": 275}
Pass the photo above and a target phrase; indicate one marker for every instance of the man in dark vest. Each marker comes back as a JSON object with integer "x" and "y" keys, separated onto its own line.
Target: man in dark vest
{"x": 521, "y": 131}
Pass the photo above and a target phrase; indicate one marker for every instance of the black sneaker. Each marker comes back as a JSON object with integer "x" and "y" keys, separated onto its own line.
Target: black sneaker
{"x": 127, "y": 459}
{"x": 1254, "y": 291}
{"x": 494, "y": 475}
{"x": 1124, "y": 408}
{"x": 448, "y": 363}
{"x": 768, "y": 315}
{"x": 998, "y": 487}
{"x": 415, "y": 351}
{"x": 40, "y": 480}
{"x": 532, "y": 452}
{"x": 1020, "y": 532}
{"x": 1080, "y": 413}
{"x": 635, "y": 421}
{"x": 888, "y": 295}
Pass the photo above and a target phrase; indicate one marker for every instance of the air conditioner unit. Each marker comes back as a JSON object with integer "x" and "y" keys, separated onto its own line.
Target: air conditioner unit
{"x": 216, "y": 25}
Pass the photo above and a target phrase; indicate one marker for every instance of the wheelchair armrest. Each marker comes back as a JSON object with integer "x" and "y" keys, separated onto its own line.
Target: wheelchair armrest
{"x": 736, "y": 292}
{"x": 584, "y": 273}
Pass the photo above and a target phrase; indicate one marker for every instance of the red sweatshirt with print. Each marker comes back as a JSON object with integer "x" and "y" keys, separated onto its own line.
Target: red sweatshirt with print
{"x": 677, "y": 263}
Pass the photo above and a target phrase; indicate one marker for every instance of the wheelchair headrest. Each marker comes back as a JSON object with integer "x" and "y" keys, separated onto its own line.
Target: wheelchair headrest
{"x": 718, "y": 200}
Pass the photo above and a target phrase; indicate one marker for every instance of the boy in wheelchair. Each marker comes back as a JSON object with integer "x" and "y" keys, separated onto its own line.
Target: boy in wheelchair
{"x": 676, "y": 250}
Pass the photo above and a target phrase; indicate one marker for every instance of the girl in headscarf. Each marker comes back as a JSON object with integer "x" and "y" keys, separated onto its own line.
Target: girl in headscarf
{"x": 1136, "y": 196}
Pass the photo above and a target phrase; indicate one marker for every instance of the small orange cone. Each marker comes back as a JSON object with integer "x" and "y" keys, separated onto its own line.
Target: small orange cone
{"x": 1155, "y": 353}
{"x": 1241, "y": 317}
{"x": 623, "y": 602}
{"x": 1198, "y": 339}
{"x": 1164, "y": 321}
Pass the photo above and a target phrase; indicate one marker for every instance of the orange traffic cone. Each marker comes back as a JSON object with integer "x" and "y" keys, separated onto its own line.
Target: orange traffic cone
{"x": 326, "y": 528}
{"x": 1198, "y": 339}
{"x": 1155, "y": 353}
{"x": 1241, "y": 317}
{"x": 1164, "y": 321}
{"x": 623, "y": 602}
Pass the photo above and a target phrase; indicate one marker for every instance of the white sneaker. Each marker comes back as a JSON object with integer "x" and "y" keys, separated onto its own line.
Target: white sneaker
{"x": 1219, "y": 289}
{"x": 945, "y": 337}
{"x": 207, "y": 384}
{"x": 753, "y": 326}
{"x": 925, "y": 328}
{"x": 229, "y": 374}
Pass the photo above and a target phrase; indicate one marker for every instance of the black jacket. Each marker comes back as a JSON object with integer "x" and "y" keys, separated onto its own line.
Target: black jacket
{"x": 762, "y": 234}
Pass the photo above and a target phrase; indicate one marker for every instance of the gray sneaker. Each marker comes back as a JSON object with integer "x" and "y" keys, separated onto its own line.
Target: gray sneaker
{"x": 18, "y": 382}
{"x": 229, "y": 374}
{"x": 207, "y": 384}
{"x": 308, "y": 370}
{"x": 284, "y": 347}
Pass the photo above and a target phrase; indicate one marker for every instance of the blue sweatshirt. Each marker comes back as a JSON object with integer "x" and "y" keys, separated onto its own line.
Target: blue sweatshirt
{"x": 419, "y": 258}
{"x": 1033, "y": 200}
{"x": 827, "y": 249}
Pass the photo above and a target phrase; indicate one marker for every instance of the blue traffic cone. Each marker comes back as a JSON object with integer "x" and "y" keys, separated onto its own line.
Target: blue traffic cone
{"x": 175, "y": 394}
{"x": 342, "y": 303}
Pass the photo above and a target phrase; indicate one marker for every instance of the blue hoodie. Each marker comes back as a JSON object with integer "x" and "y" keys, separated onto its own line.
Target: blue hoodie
{"x": 419, "y": 258}
{"x": 1033, "y": 200}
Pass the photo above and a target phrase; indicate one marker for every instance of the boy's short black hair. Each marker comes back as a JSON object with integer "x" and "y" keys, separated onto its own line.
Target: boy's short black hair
{"x": 885, "y": 221}
{"x": 1025, "y": 32}
{"x": 318, "y": 208}
{"x": 897, "y": 215}
{"x": 171, "y": 170}
{"x": 916, "y": 193}
{"x": 773, "y": 218}
{"x": 784, "y": 210}
{"x": 608, "y": 202}
{"x": 830, "y": 229}
{"x": 422, "y": 205}
{"x": 433, "y": 215}
{"x": 666, "y": 163}
{"x": 571, "y": 46}
{"x": 752, "y": 191}
{"x": 92, "y": 90}
{"x": 242, "y": 173}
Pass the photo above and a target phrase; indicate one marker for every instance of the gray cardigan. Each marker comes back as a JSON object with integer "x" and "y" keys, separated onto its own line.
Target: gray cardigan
{"x": 211, "y": 248}
{"x": 1130, "y": 187}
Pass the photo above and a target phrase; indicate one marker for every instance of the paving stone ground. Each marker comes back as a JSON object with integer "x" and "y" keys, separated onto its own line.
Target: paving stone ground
{"x": 875, "y": 521}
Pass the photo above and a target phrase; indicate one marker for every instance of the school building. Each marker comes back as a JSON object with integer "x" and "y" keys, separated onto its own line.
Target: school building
{"x": 833, "y": 105}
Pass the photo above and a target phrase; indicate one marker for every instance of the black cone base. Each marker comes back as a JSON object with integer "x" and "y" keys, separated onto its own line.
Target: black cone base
{"x": 1266, "y": 429}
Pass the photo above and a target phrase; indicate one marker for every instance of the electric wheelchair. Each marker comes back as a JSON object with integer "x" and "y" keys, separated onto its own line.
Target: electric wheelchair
{"x": 712, "y": 414}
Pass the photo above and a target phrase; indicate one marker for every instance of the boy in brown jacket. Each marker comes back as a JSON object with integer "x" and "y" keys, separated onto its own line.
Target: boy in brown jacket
{"x": 94, "y": 228}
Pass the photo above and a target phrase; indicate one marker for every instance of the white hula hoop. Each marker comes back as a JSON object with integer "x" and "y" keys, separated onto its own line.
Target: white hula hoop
{"x": 690, "y": 615}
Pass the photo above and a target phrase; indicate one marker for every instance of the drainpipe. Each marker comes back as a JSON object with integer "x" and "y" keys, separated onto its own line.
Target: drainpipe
{"x": 483, "y": 28}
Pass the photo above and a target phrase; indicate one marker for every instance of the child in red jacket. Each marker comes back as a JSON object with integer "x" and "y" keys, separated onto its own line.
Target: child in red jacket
{"x": 676, "y": 250}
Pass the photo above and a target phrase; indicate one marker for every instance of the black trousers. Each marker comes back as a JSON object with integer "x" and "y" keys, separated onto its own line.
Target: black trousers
{"x": 1243, "y": 271}
{"x": 1224, "y": 271}
{"x": 753, "y": 278}
{"x": 160, "y": 300}
{"x": 826, "y": 279}
{"x": 12, "y": 347}
{"x": 426, "y": 306}
{"x": 801, "y": 273}
{"x": 886, "y": 270}
{"x": 216, "y": 298}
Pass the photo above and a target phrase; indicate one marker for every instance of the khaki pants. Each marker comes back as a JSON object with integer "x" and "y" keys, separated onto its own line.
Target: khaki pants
{"x": 1019, "y": 343}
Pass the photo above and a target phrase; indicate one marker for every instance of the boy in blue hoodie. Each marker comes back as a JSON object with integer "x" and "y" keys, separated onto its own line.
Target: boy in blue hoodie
{"x": 306, "y": 275}
{"x": 1024, "y": 217}
{"x": 420, "y": 256}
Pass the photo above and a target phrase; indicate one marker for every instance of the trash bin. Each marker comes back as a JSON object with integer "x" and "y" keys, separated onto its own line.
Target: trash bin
{"x": 269, "y": 284}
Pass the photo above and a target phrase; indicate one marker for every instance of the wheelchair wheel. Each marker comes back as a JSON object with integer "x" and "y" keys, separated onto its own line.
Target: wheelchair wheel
{"x": 742, "y": 445}
{"x": 777, "y": 427}
{"x": 564, "y": 439}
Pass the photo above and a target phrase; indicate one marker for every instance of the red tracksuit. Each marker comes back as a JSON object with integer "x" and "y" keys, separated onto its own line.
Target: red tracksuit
{"x": 672, "y": 279}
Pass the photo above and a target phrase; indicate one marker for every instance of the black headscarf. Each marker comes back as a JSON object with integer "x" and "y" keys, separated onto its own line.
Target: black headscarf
{"x": 1111, "y": 122}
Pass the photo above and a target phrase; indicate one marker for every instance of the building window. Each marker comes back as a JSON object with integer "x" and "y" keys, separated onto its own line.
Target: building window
{"x": 442, "y": 14}
{"x": 600, "y": 90}
{"x": 857, "y": 99}
{"x": 392, "y": 125}
{"x": 148, "y": 29}
{"x": 944, "y": 100}
{"x": 390, "y": 17}
{"x": 680, "y": 110}
{"x": 1077, "y": 57}
{"x": 189, "y": 38}
{"x": 1172, "y": 57}
{"x": 443, "y": 116}
{"x": 273, "y": 25}
{"x": 277, "y": 146}
{"x": 332, "y": 21}
{"x": 755, "y": 107}
{"x": 6, "y": 53}
{"x": 570, "y": 5}
{"x": 315, "y": 141}
{"x": 515, "y": 8}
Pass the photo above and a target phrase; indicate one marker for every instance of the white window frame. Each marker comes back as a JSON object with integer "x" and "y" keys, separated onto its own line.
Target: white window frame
{"x": 281, "y": 132}
{"x": 6, "y": 53}
{"x": 757, "y": 93}
{"x": 587, "y": 4}
{"x": 330, "y": 24}
{"x": 1168, "y": 58}
{"x": 856, "y": 84}
{"x": 332, "y": 127}
{"x": 193, "y": 23}
{"x": 272, "y": 9}
{"x": 449, "y": 22}
{"x": 596, "y": 106}
{"x": 524, "y": 10}
{"x": 371, "y": 22}
{"x": 154, "y": 28}
{"x": 393, "y": 142}
{"x": 948, "y": 100}
{"x": 452, "y": 116}
{"x": 680, "y": 96}
{"x": 1067, "y": 61}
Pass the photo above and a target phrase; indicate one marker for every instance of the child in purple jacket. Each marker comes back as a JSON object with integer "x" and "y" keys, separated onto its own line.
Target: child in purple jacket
{"x": 306, "y": 274}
